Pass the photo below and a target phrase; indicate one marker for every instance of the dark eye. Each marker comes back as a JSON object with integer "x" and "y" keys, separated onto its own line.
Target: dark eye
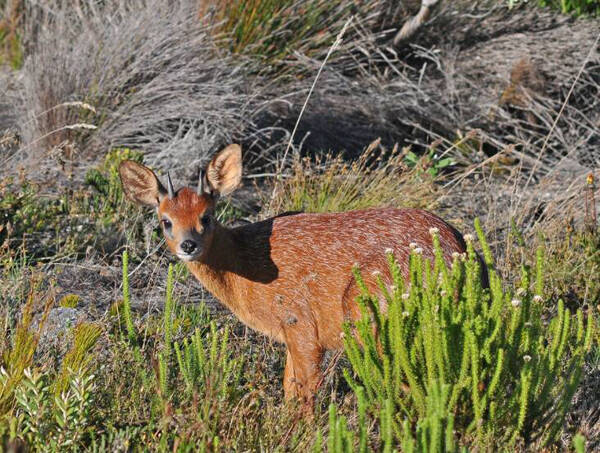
{"x": 166, "y": 224}
{"x": 205, "y": 220}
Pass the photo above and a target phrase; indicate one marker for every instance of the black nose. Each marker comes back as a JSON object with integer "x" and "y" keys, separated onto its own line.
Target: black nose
{"x": 188, "y": 246}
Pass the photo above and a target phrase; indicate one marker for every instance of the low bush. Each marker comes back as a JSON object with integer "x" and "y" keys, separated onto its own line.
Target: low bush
{"x": 67, "y": 221}
{"x": 378, "y": 177}
{"x": 452, "y": 363}
{"x": 577, "y": 7}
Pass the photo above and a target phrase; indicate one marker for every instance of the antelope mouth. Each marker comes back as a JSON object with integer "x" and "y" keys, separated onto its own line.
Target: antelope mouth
{"x": 188, "y": 256}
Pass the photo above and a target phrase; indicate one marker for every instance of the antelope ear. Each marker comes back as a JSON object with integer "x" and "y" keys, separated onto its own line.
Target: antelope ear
{"x": 140, "y": 184}
{"x": 224, "y": 171}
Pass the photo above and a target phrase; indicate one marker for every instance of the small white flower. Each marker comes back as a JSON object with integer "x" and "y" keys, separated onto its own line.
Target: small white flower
{"x": 528, "y": 324}
{"x": 436, "y": 308}
{"x": 521, "y": 291}
{"x": 537, "y": 298}
{"x": 405, "y": 314}
{"x": 455, "y": 255}
{"x": 405, "y": 296}
{"x": 418, "y": 250}
{"x": 393, "y": 288}
{"x": 526, "y": 358}
{"x": 443, "y": 293}
{"x": 389, "y": 251}
{"x": 433, "y": 231}
{"x": 376, "y": 273}
{"x": 468, "y": 237}
{"x": 413, "y": 245}
{"x": 516, "y": 303}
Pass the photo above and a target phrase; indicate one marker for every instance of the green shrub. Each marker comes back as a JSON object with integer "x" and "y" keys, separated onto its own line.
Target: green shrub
{"x": 69, "y": 301}
{"x": 24, "y": 212}
{"x": 68, "y": 222}
{"x": 572, "y": 258}
{"x": 450, "y": 355}
{"x": 577, "y": 7}
{"x": 378, "y": 177}
{"x": 56, "y": 422}
{"x": 78, "y": 358}
{"x": 18, "y": 356}
{"x": 105, "y": 179}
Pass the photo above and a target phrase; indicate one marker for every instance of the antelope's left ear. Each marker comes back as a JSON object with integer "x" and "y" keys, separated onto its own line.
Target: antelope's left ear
{"x": 223, "y": 173}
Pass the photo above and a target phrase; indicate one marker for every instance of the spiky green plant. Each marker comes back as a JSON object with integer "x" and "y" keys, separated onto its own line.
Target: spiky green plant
{"x": 211, "y": 374}
{"x": 131, "y": 333}
{"x": 449, "y": 354}
{"x": 165, "y": 355}
{"x": 207, "y": 365}
{"x": 341, "y": 439}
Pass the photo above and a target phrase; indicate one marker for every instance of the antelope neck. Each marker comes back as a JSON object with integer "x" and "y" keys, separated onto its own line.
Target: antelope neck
{"x": 225, "y": 265}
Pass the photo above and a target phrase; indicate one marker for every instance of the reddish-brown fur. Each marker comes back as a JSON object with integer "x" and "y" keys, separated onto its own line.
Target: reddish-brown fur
{"x": 290, "y": 277}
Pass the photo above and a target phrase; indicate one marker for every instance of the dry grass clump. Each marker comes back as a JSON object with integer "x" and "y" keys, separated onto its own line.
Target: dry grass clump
{"x": 162, "y": 79}
{"x": 329, "y": 183}
{"x": 457, "y": 74}
{"x": 149, "y": 73}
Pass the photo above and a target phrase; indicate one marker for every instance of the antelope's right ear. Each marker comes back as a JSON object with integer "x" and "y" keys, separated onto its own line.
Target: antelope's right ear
{"x": 140, "y": 184}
